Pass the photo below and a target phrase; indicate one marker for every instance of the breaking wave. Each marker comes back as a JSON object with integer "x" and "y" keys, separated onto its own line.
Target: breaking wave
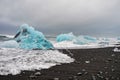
{"x": 5, "y": 37}
{"x": 13, "y": 61}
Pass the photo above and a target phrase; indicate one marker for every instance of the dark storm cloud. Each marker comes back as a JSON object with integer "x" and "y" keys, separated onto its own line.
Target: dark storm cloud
{"x": 92, "y": 17}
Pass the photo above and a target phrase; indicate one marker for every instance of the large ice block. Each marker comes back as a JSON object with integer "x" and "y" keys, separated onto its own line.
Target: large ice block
{"x": 76, "y": 39}
{"x": 65, "y": 37}
{"x": 29, "y": 38}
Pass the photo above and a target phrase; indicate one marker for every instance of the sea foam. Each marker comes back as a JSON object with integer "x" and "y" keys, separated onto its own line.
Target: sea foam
{"x": 13, "y": 61}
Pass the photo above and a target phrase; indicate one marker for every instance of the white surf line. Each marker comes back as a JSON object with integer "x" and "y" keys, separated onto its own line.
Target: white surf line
{"x": 13, "y": 61}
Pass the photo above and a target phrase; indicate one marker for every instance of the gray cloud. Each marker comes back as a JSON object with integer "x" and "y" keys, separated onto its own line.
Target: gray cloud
{"x": 92, "y": 17}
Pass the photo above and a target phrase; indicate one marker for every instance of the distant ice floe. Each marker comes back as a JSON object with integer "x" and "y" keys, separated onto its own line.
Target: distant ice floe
{"x": 76, "y": 40}
{"x": 84, "y": 40}
{"x": 65, "y": 37}
{"x": 71, "y": 41}
{"x": 13, "y": 61}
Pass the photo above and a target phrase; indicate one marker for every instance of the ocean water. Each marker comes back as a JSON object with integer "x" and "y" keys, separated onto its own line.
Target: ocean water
{"x": 8, "y": 42}
{"x": 13, "y": 60}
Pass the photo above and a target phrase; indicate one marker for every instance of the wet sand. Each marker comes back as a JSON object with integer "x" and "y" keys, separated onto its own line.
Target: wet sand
{"x": 90, "y": 64}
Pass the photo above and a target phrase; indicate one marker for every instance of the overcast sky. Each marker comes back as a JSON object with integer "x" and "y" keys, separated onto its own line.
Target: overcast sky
{"x": 86, "y": 17}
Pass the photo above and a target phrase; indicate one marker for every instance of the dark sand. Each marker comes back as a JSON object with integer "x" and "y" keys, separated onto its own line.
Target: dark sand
{"x": 90, "y": 64}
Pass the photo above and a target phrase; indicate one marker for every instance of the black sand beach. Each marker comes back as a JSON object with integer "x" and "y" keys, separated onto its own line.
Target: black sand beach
{"x": 90, "y": 64}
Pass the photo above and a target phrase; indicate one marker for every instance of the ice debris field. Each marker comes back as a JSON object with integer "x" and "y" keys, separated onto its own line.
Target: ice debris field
{"x": 28, "y": 38}
{"x": 29, "y": 49}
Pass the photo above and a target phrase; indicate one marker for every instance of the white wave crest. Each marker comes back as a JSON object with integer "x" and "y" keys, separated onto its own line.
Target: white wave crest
{"x": 71, "y": 45}
{"x": 13, "y": 61}
{"x": 9, "y": 44}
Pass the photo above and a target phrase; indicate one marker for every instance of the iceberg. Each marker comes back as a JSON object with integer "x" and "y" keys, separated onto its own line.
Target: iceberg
{"x": 84, "y": 40}
{"x": 29, "y": 38}
{"x": 81, "y": 40}
{"x": 65, "y": 37}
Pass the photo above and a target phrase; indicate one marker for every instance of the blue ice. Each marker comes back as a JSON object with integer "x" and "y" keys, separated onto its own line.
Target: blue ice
{"x": 65, "y": 37}
{"x": 29, "y": 38}
{"x": 84, "y": 40}
{"x": 76, "y": 40}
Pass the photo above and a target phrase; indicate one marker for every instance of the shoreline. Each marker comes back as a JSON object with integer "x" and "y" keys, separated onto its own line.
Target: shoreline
{"x": 90, "y": 64}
